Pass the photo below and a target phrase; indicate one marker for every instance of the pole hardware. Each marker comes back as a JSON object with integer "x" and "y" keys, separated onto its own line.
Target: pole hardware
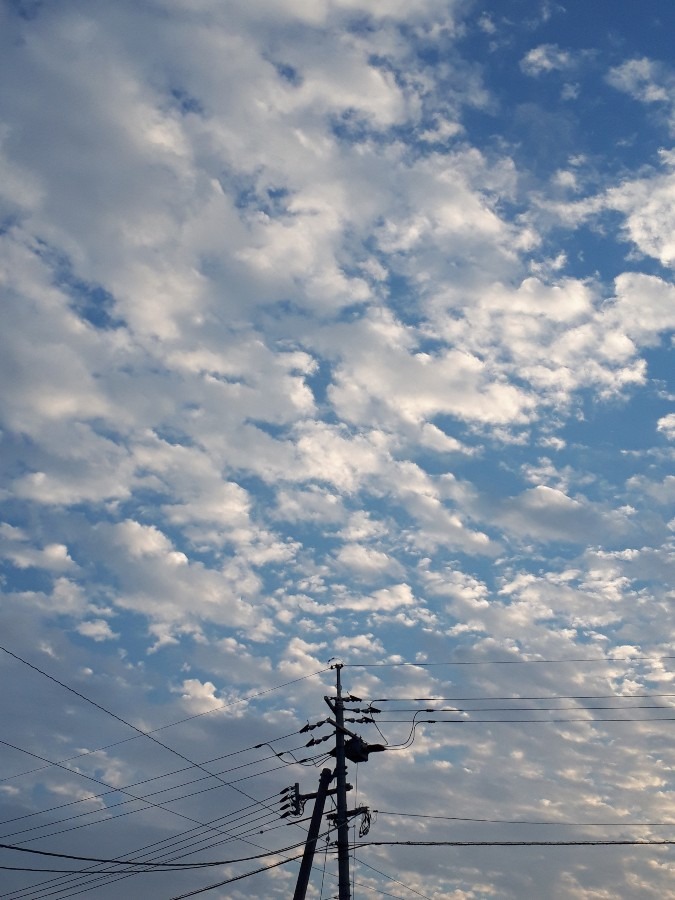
{"x": 292, "y": 803}
{"x": 362, "y": 811}
{"x": 356, "y": 749}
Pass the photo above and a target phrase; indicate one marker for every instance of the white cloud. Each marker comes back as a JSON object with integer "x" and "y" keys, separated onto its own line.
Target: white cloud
{"x": 384, "y": 600}
{"x": 286, "y": 331}
{"x": 367, "y": 562}
{"x": 666, "y": 425}
{"x": 546, "y": 58}
{"x": 97, "y": 630}
{"x": 549, "y": 514}
{"x": 199, "y": 697}
{"x": 15, "y": 546}
{"x": 644, "y": 79}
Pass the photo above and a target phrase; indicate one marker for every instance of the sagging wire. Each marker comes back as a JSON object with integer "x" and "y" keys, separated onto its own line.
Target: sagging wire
{"x": 410, "y": 740}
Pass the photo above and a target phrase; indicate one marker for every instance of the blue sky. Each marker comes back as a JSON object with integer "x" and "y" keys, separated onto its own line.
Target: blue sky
{"x": 339, "y": 329}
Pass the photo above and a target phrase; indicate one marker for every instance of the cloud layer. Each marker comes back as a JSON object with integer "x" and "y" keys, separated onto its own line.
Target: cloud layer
{"x": 343, "y": 329}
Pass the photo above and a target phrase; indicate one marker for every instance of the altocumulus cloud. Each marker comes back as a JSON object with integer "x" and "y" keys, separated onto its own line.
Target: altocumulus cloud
{"x": 339, "y": 329}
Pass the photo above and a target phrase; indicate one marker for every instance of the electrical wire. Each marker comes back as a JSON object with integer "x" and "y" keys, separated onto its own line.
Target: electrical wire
{"x": 265, "y": 869}
{"x": 207, "y": 846}
{"x": 467, "y": 709}
{"x": 145, "y": 863}
{"x": 179, "y": 867}
{"x": 70, "y": 871}
{"x": 135, "y": 737}
{"x": 506, "y": 662}
{"x": 325, "y": 860}
{"x": 588, "y": 721}
{"x": 118, "y": 718}
{"x": 386, "y": 812}
{"x": 145, "y": 797}
{"x": 232, "y": 835}
{"x": 171, "y": 845}
{"x": 593, "y": 721}
{"x": 520, "y": 697}
{"x": 142, "y": 797}
{"x": 60, "y": 763}
{"x": 371, "y": 888}
{"x": 212, "y": 887}
{"x": 395, "y": 880}
{"x": 598, "y": 843}
{"x": 200, "y": 841}
{"x": 218, "y": 830}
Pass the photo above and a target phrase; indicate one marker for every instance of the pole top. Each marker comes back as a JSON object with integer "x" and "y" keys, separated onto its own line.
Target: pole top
{"x": 335, "y": 662}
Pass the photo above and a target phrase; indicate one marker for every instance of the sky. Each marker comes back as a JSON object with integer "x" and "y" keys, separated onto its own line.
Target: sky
{"x": 337, "y": 331}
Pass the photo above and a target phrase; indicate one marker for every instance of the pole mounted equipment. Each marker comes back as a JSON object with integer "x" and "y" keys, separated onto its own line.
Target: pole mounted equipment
{"x": 292, "y": 803}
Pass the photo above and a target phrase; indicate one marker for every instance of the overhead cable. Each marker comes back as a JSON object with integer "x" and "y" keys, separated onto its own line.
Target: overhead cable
{"x": 506, "y": 662}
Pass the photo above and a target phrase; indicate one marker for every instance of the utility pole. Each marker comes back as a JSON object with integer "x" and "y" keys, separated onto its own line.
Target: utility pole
{"x": 312, "y": 836}
{"x": 293, "y": 802}
{"x": 344, "y": 892}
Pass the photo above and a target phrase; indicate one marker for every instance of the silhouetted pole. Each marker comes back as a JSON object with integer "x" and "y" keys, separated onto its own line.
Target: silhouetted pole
{"x": 312, "y": 836}
{"x": 344, "y": 892}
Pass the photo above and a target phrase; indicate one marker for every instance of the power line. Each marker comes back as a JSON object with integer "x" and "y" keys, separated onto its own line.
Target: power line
{"x": 229, "y": 833}
{"x": 104, "y": 821}
{"x": 181, "y": 815}
{"x": 142, "y": 797}
{"x": 70, "y": 871}
{"x": 595, "y": 721}
{"x": 142, "y": 733}
{"x": 385, "y": 812}
{"x": 395, "y": 880}
{"x": 144, "y": 863}
{"x": 507, "y": 662}
{"x": 136, "y": 737}
{"x": 114, "y": 875}
{"x": 118, "y": 718}
{"x": 519, "y": 697}
{"x": 466, "y": 709}
{"x": 168, "y": 844}
{"x": 211, "y": 887}
{"x": 598, "y": 843}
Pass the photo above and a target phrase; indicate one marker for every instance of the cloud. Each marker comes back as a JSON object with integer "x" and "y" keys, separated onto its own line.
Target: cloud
{"x": 295, "y": 294}
{"x": 97, "y": 630}
{"x": 384, "y": 600}
{"x": 666, "y": 425}
{"x": 648, "y": 81}
{"x": 367, "y": 562}
{"x": 549, "y": 514}
{"x": 546, "y": 58}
